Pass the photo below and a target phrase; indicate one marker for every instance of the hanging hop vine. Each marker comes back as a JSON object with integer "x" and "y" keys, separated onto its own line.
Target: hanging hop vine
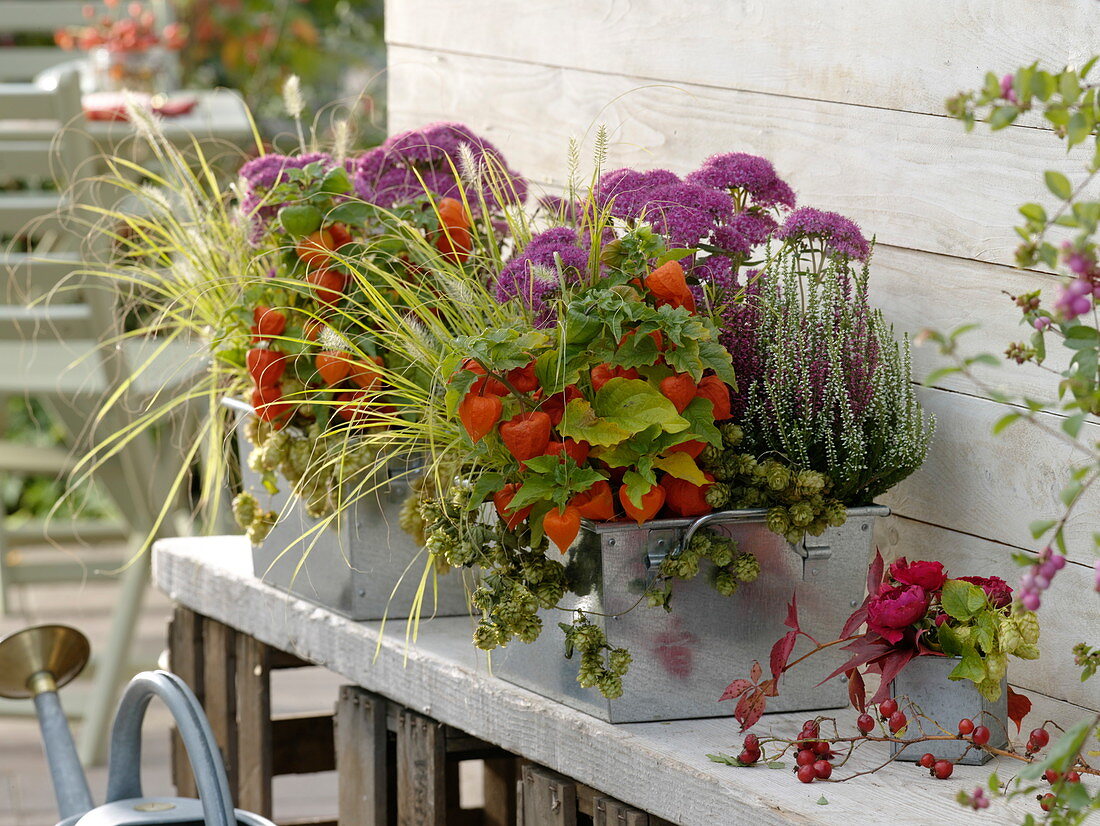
{"x": 798, "y": 500}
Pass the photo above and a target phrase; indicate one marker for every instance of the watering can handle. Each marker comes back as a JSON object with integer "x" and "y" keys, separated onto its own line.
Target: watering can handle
{"x": 124, "y": 775}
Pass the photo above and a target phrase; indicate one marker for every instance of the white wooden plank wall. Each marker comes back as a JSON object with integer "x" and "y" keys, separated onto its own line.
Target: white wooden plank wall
{"x": 846, "y": 98}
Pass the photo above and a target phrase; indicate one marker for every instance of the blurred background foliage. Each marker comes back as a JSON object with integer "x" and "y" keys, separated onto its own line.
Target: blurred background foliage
{"x": 336, "y": 47}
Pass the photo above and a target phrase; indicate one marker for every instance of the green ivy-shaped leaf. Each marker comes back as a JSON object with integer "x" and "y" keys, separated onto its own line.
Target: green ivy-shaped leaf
{"x": 635, "y": 405}
{"x": 962, "y": 600}
{"x": 580, "y": 422}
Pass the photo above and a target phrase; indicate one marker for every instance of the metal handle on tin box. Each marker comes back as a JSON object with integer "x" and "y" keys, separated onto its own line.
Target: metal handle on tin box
{"x": 815, "y": 551}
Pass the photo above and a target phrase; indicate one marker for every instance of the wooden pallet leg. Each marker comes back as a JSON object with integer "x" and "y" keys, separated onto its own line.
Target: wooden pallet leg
{"x": 185, "y": 660}
{"x": 421, "y": 786}
{"x": 607, "y": 811}
{"x": 254, "y": 747}
{"x": 499, "y": 783}
{"x": 219, "y": 690}
{"x": 548, "y": 798}
{"x": 361, "y": 765}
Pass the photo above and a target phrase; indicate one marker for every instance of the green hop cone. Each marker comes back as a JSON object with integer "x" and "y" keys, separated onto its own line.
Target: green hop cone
{"x": 487, "y": 636}
{"x": 835, "y": 513}
{"x": 996, "y": 664}
{"x": 724, "y": 582}
{"x": 588, "y": 637}
{"x": 777, "y": 476}
{"x": 778, "y": 520}
{"x": 732, "y": 434}
{"x": 275, "y": 449}
{"x": 801, "y": 514}
{"x": 711, "y": 456}
{"x": 618, "y": 660}
{"x": 990, "y": 689}
{"x": 610, "y": 685}
{"x": 590, "y": 669}
{"x": 1028, "y": 651}
{"x": 257, "y": 460}
{"x": 717, "y": 495}
{"x": 245, "y": 509}
{"x": 746, "y": 567}
{"x": 1009, "y": 636}
{"x": 746, "y": 464}
{"x": 723, "y": 551}
{"x": 261, "y": 526}
{"x": 1028, "y": 624}
{"x": 528, "y": 627}
{"x": 809, "y": 482}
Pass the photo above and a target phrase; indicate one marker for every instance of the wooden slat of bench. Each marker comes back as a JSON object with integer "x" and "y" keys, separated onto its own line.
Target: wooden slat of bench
{"x": 302, "y": 744}
{"x": 185, "y": 658}
{"x": 548, "y": 799}
{"x": 361, "y": 758}
{"x": 421, "y": 785}
{"x": 254, "y": 732}
{"x": 219, "y": 686}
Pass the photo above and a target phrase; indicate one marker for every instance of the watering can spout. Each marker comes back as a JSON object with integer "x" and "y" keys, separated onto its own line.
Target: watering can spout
{"x": 35, "y": 663}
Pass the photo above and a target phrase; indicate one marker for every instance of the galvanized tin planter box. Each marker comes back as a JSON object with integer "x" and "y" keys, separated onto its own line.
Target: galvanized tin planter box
{"x": 355, "y": 565}
{"x": 924, "y": 681}
{"x": 683, "y": 660}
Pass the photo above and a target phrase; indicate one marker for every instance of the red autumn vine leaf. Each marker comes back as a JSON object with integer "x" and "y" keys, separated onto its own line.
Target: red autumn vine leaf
{"x": 781, "y": 652}
{"x": 792, "y": 613}
{"x": 769, "y": 687}
{"x": 875, "y": 573}
{"x": 1018, "y": 708}
{"x": 750, "y": 708}
{"x": 756, "y": 672}
{"x": 857, "y": 691}
{"x": 736, "y": 689}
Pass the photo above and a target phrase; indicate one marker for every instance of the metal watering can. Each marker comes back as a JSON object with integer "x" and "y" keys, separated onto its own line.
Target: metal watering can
{"x": 36, "y": 662}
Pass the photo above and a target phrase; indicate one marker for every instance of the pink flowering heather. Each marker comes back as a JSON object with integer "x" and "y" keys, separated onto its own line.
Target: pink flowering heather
{"x": 750, "y": 174}
{"x": 841, "y": 236}
{"x": 391, "y": 174}
{"x": 259, "y": 175}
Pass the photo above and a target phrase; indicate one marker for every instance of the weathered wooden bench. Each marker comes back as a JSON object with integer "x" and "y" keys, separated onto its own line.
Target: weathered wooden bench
{"x": 412, "y": 712}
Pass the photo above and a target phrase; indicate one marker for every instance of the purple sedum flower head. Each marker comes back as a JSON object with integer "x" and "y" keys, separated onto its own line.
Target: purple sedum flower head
{"x": 750, "y": 173}
{"x": 533, "y": 275}
{"x": 258, "y": 176}
{"x": 745, "y": 231}
{"x": 841, "y": 236}
{"x": 391, "y": 174}
{"x": 686, "y": 213}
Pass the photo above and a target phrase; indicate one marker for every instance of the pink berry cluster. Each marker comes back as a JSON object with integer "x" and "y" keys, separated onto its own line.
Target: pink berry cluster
{"x": 1077, "y": 297}
{"x": 1039, "y": 577}
{"x": 976, "y": 799}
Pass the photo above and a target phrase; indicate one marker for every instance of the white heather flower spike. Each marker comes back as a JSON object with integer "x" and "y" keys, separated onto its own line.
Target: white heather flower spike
{"x": 341, "y": 140}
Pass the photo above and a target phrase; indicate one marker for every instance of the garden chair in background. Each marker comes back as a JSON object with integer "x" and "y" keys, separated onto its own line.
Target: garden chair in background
{"x": 68, "y": 351}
